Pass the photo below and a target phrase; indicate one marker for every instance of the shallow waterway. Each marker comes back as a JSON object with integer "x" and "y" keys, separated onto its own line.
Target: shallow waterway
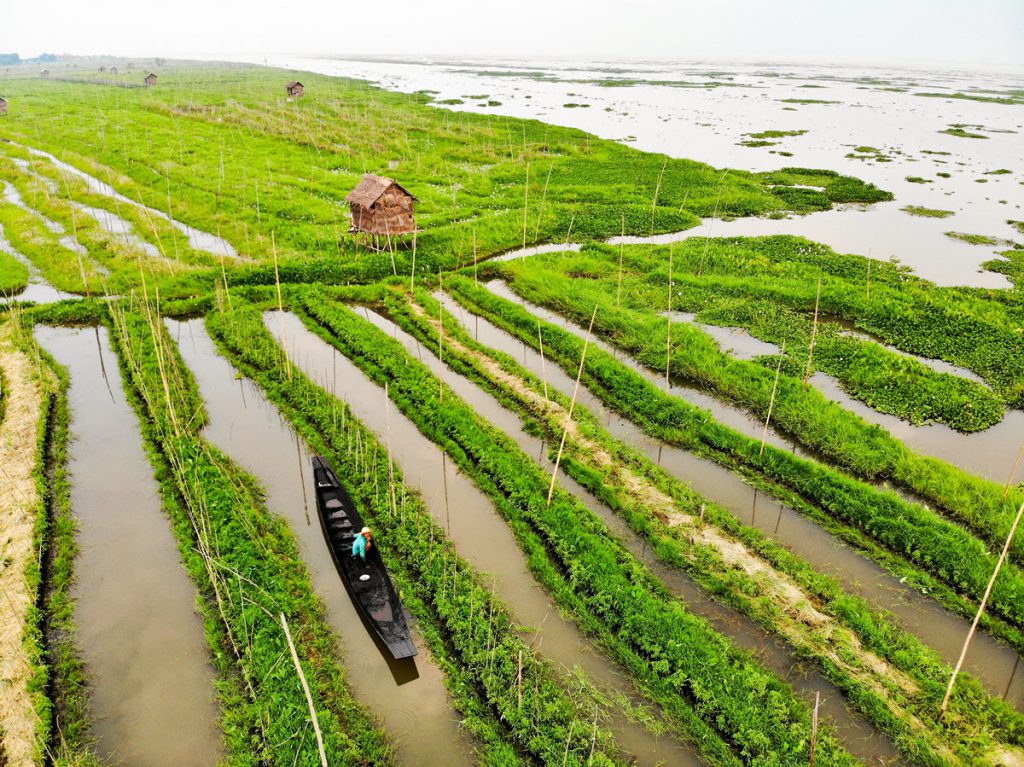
{"x": 409, "y": 697}
{"x": 475, "y": 527}
{"x": 147, "y": 661}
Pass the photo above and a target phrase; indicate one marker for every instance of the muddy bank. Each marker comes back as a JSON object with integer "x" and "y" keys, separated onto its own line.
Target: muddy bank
{"x": 139, "y": 634}
{"x": 409, "y": 698}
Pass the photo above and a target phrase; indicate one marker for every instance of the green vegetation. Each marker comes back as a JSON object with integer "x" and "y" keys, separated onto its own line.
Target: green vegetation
{"x": 998, "y": 172}
{"x": 809, "y": 101}
{"x": 13, "y": 274}
{"x": 471, "y": 635}
{"x": 960, "y": 131}
{"x": 1014, "y": 97}
{"x": 918, "y": 180}
{"x": 776, "y": 133}
{"x": 917, "y": 210}
{"x": 973, "y": 239}
{"x": 684, "y": 536}
{"x": 256, "y": 164}
{"x": 824, "y": 427}
{"x": 218, "y": 149}
{"x": 58, "y": 686}
{"x": 573, "y": 105}
{"x": 672, "y": 653}
{"x": 223, "y": 529}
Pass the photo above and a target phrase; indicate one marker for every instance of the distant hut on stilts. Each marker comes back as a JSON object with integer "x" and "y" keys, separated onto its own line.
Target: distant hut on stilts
{"x": 150, "y": 80}
{"x": 113, "y": 70}
{"x": 382, "y": 212}
{"x": 295, "y": 89}
{"x": 3, "y": 105}
{"x": 44, "y": 73}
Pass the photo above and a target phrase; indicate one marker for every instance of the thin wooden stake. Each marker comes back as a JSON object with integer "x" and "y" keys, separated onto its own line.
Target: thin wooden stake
{"x": 814, "y": 726}
{"x": 622, "y": 249}
{"x": 526, "y": 202}
{"x": 771, "y": 404}
{"x": 814, "y": 335}
{"x": 305, "y": 689}
{"x": 1013, "y": 472}
{"x": 412, "y": 275}
{"x": 519, "y": 680}
{"x": 981, "y": 609}
{"x": 572, "y": 405}
{"x": 543, "y": 369}
{"x": 668, "y": 337}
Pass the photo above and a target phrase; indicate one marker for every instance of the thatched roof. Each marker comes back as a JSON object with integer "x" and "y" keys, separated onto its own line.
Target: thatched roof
{"x": 150, "y": 75}
{"x": 369, "y": 190}
{"x": 294, "y": 83}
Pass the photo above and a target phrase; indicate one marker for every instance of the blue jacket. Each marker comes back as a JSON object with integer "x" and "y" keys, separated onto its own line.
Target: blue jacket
{"x": 359, "y": 546}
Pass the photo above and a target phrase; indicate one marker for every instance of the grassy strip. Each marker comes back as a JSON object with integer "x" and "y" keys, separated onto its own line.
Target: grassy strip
{"x": 630, "y": 484}
{"x": 915, "y": 535}
{"x": 886, "y": 381}
{"x": 672, "y": 652}
{"x": 247, "y": 568}
{"x": 866, "y": 450}
{"x": 13, "y": 273}
{"x": 471, "y": 634}
{"x": 918, "y": 210}
{"x": 59, "y": 265}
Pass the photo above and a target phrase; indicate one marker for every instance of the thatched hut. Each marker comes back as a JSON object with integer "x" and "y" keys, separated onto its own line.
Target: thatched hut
{"x": 381, "y": 207}
{"x": 113, "y": 70}
{"x": 103, "y": 69}
{"x": 3, "y": 105}
{"x": 295, "y": 89}
{"x": 150, "y": 80}
{"x": 45, "y": 73}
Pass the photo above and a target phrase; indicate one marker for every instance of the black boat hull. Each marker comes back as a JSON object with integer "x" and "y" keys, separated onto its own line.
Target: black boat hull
{"x": 375, "y": 597}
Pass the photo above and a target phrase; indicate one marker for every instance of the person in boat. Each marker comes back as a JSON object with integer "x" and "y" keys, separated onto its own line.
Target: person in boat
{"x": 362, "y": 543}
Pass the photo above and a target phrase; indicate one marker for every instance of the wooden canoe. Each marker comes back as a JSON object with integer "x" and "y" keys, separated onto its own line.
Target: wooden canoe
{"x": 374, "y": 597}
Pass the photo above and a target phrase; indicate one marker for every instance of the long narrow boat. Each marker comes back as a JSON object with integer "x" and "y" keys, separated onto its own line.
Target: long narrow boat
{"x": 368, "y": 584}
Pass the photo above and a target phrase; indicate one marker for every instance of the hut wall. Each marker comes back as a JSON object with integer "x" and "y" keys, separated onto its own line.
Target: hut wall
{"x": 391, "y": 214}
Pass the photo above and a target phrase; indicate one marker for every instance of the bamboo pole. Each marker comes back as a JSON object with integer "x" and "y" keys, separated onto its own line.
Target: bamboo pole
{"x": 526, "y": 202}
{"x": 412, "y": 275}
{"x": 440, "y": 343}
{"x": 1013, "y": 473}
{"x": 519, "y": 681}
{"x": 280, "y": 308}
{"x": 305, "y": 689}
{"x": 543, "y": 368}
{"x": 981, "y": 609}
{"x": 668, "y": 336}
{"x": 572, "y": 405}
{"x": 814, "y": 726}
{"x": 814, "y": 335}
{"x": 622, "y": 248}
{"x": 771, "y": 403}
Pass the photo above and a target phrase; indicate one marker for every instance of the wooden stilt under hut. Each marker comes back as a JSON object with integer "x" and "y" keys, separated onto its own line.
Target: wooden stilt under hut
{"x": 382, "y": 212}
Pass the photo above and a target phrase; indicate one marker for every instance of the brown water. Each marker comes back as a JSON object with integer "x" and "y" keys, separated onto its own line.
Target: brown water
{"x": 150, "y": 680}
{"x": 995, "y": 664}
{"x": 408, "y": 697}
{"x": 856, "y": 733}
{"x": 475, "y": 527}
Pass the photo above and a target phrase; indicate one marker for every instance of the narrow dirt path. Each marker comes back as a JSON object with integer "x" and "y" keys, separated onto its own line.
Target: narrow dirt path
{"x": 19, "y": 501}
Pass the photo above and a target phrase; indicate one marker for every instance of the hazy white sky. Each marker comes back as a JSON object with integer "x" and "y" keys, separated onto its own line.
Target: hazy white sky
{"x": 954, "y": 32}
